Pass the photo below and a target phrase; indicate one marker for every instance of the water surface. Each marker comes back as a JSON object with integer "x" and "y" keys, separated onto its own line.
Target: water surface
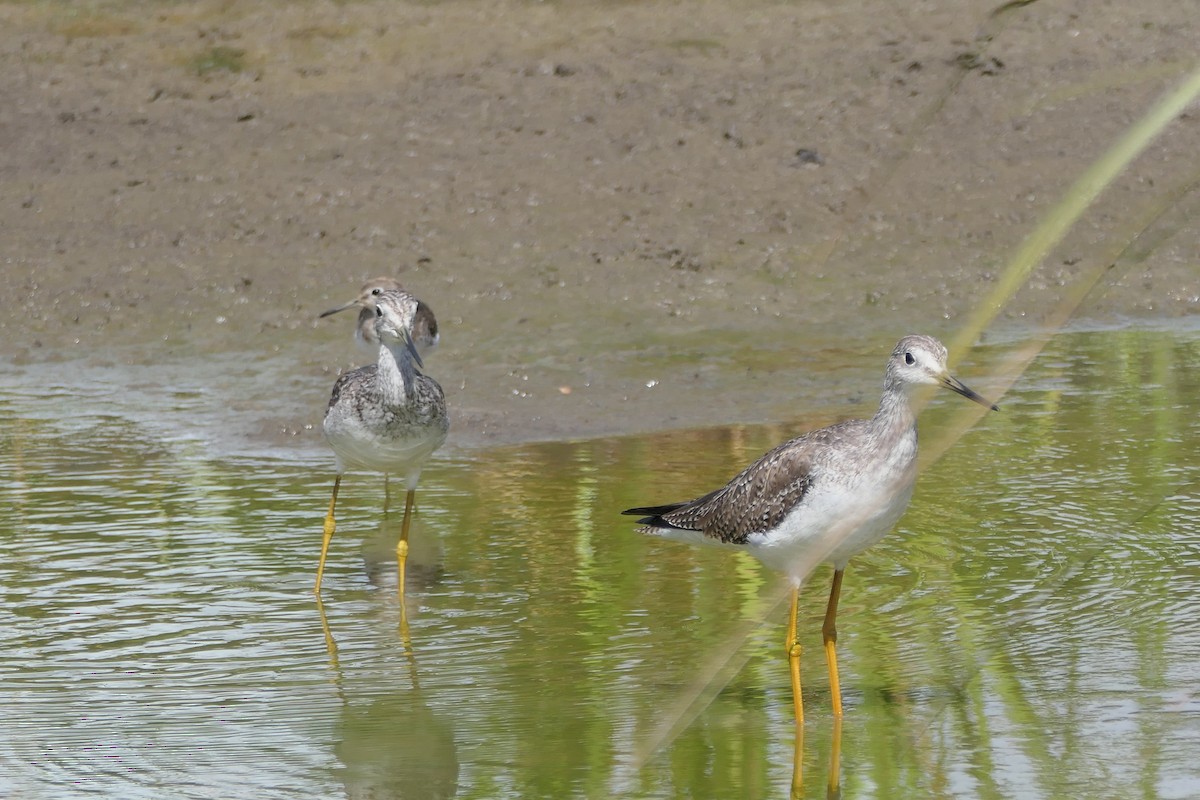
{"x": 1030, "y": 630}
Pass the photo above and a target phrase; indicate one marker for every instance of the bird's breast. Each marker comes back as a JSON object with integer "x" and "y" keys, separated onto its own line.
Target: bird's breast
{"x": 851, "y": 506}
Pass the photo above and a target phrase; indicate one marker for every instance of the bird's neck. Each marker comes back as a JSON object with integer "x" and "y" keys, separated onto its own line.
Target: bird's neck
{"x": 895, "y": 415}
{"x": 397, "y": 374}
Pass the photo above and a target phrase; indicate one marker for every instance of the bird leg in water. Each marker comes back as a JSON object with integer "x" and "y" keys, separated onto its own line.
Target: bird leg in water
{"x": 792, "y": 647}
{"x": 330, "y": 526}
{"x": 402, "y": 545}
{"x": 829, "y": 634}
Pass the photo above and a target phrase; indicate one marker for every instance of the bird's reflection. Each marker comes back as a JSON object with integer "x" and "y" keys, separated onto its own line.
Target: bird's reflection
{"x": 396, "y": 747}
{"x": 331, "y": 649}
{"x": 833, "y": 787}
{"x": 798, "y": 764}
{"x": 392, "y": 745}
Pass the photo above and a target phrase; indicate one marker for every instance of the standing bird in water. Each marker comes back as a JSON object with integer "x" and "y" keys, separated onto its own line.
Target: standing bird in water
{"x": 424, "y": 330}
{"x": 832, "y": 492}
{"x": 386, "y": 416}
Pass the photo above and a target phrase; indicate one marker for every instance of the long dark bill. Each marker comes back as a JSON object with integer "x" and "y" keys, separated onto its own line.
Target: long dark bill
{"x": 955, "y": 385}
{"x": 412, "y": 348}
{"x": 351, "y": 304}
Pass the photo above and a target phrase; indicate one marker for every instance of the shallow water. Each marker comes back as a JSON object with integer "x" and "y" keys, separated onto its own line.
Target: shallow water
{"x": 1030, "y": 630}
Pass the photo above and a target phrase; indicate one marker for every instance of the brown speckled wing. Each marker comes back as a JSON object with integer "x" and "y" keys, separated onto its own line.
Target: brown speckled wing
{"x": 755, "y": 501}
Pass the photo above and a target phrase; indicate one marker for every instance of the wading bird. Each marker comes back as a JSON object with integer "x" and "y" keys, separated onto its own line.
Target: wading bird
{"x": 836, "y": 491}
{"x": 386, "y": 416}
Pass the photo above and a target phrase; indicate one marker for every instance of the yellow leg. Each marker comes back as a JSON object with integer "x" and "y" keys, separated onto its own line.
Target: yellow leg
{"x": 829, "y": 634}
{"x": 402, "y": 545}
{"x": 330, "y": 526}
{"x": 792, "y": 647}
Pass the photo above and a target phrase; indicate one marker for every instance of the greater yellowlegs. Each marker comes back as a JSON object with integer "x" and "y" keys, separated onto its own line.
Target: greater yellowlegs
{"x": 386, "y": 416}
{"x": 424, "y": 330}
{"x": 834, "y": 491}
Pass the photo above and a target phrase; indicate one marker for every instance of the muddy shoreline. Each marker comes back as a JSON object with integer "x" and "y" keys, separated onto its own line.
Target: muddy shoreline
{"x": 627, "y": 217}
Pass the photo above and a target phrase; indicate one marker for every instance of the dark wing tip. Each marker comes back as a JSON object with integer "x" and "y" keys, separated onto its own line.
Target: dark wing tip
{"x": 655, "y": 516}
{"x": 642, "y": 510}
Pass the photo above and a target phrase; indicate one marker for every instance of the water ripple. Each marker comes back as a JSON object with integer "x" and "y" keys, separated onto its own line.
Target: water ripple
{"x": 1031, "y": 618}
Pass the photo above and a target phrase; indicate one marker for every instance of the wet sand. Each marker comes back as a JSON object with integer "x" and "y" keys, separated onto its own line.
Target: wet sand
{"x": 627, "y": 216}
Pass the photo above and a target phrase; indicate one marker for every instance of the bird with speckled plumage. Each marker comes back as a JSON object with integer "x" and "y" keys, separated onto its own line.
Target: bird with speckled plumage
{"x": 388, "y": 416}
{"x": 834, "y": 491}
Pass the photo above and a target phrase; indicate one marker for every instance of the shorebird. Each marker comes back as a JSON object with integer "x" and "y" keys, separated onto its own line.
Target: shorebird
{"x": 424, "y": 330}
{"x": 386, "y": 416}
{"x": 832, "y": 492}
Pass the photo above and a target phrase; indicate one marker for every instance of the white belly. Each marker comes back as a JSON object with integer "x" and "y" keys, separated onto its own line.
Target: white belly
{"x": 836, "y": 521}
{"x": 356, "y": 449}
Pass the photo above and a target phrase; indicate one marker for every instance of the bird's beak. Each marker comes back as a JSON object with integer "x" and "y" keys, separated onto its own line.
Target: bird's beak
{"x": 412, "y": 348}
{"x": 351, "y": 304}
{"x": 955, "y": 385}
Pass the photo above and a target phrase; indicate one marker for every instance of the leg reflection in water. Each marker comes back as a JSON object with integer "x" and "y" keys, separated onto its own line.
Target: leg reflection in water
{"x": 833, "y": 789}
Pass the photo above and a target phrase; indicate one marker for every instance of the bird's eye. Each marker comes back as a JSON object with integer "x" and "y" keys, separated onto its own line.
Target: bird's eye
{"x": 908, "y": 359}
